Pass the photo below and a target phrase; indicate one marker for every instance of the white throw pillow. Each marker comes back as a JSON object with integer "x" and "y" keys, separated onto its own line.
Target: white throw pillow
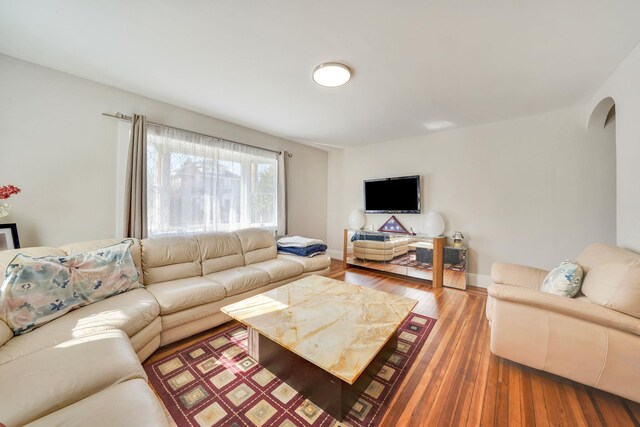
{"x": 564, "y": 280}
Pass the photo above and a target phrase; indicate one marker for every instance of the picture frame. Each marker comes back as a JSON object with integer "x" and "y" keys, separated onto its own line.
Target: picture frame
{"x": 9, "y": 237}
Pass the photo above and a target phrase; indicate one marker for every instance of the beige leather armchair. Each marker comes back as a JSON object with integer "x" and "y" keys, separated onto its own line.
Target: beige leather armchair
{"x": 593, "y": 339}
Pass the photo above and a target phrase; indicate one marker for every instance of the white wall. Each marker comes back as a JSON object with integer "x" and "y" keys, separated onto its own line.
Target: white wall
{"x": 624, "y": 87}
{"x": 533, "y": 190}
{"x": 58, "y": 148}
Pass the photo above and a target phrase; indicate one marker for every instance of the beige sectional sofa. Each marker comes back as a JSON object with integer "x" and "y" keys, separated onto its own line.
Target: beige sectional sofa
{"x": 593, "y": 338}
{"x": 84, "y": 367}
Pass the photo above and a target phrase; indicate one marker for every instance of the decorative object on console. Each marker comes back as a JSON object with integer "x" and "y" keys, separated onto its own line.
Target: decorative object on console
{"x": 564, "y": 280}
{"x": 9, "y": 237}
{"x": 356, "y": 219}
{"x": 6, "y": 192}
{"x": 434, "y": 224}
{"x": 393, "y": 225}
{"x": 457, "y": 239}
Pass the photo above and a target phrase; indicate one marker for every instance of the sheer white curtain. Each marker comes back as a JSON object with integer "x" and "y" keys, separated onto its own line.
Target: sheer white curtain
{"x": 199, "y": 183}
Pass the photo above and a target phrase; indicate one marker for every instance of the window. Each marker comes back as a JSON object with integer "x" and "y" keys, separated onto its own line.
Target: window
{"x": 199, "y": 183}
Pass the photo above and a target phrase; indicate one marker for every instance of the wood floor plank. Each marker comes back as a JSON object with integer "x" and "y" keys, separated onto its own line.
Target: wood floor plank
{"x": 515, "y": 398}
{"x": 540, "y": 406}
{"x": 633, "y": 409}
{"x": 502, "y": 395}
{"x": 456, "y": 381}
{"x": 481, "y": 379}
{"x": 609, "y": 406}
{"x": 426, "y": 378}
{"x": 474, "y": 376}
{"x": 586, "y": 404}
{"x": 446, "y": 398}
{"x": 572, "y": 404}
{"x": 555, "y": 405}
{"x": 528, "y": 404}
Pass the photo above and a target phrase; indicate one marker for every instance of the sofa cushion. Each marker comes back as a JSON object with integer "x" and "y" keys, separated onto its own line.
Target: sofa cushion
{"x": 220, "y": 251}
{"x": 257, "y": 245}
{"x": 601, "y": 253}
{"x": 147, "y": 340}
{"x": 280, "y": 269}
{"x": 180, "y": 294}
{"x": 170, "y": 258}
{"x": 91, "y": 245}
{"x": 615, "y": 285}
{"x": 564, "y": 280}
{"x": 65, "y": 374}
{"x": 240, "y": 279}
{"x": 130, "y": 403}
{"x": 316, "y": 263}
{"x": 129, "y": 312}
{"x": 38, "y": 290}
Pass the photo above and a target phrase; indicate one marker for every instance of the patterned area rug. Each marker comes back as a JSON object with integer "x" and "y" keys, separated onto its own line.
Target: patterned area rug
{"x": 215, "y": 383}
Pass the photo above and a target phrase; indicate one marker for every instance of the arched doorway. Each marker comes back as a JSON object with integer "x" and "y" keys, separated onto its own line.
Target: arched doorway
{"x": 601, "y": 141}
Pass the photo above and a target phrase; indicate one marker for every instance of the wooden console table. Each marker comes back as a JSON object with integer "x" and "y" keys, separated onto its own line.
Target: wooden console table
{"x": 417, "y": 256}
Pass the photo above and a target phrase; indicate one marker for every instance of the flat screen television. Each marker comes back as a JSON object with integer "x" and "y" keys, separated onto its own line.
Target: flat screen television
{"x": 392, "y": 195}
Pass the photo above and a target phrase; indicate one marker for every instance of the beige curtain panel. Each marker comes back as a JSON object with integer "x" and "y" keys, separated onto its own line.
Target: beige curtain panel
{"x": 283, "y": 166}
{"x": 135, "y": 215}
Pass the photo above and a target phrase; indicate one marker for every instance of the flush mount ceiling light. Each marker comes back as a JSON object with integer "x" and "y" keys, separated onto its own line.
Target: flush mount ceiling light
{"x": 331, "y": 74}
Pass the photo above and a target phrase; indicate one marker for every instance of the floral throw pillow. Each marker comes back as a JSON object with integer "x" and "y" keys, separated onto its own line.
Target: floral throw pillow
{"x": 37, "y": 290}
{"x": 564, "y": 280}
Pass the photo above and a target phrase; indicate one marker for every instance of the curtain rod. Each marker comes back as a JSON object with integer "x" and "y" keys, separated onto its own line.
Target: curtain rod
{"x": 124, "y": 117}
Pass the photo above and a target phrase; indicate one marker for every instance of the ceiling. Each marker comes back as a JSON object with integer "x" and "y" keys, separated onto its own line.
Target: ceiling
{"x": 416, "y": 62}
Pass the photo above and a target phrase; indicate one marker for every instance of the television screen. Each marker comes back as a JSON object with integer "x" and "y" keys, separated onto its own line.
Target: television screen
{"x": 392, "y": 195}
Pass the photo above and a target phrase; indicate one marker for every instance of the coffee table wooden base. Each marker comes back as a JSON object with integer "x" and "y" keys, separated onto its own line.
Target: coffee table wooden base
{"x": 330, "y": 393}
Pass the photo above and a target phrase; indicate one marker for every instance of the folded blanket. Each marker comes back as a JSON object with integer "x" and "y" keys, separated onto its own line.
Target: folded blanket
{"x": 317, "y": 253}
{"x": 298, "y": 242}
{"x": 308, "y": 251}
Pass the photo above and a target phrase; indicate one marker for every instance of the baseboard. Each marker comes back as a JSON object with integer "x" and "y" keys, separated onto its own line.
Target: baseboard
{"x": 479, "y": 280}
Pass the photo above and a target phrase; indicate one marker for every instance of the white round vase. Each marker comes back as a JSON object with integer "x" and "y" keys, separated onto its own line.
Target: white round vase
{"x": 434, "y": 224}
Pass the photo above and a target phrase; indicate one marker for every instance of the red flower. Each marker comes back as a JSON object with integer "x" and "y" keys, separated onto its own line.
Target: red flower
{"x": 8, "y": 191}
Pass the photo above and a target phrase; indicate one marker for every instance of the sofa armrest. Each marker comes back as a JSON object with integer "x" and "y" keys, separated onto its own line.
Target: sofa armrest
{"x": 568, "y": 306}
{"x": 517, "y": 275}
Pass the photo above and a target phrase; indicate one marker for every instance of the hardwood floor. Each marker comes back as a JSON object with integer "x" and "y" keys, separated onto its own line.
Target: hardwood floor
{"x": 456, "y": 381}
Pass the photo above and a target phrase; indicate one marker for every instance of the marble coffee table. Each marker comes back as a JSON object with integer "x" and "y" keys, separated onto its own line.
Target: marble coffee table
{"x": 319, "y": 335}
